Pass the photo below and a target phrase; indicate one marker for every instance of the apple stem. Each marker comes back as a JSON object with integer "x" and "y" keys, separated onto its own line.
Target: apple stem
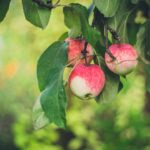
{"x": 106, "y": 42}
{"x": 84, "y": 52}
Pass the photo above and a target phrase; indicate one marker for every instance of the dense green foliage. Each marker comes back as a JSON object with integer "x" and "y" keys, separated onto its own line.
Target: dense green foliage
{"x": 120, "y": 124}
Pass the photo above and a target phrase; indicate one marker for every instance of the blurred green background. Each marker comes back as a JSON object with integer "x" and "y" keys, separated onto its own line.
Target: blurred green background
{"x": 117, "y": 125}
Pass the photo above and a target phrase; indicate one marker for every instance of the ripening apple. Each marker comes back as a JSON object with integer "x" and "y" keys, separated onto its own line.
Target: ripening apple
{"x": 74, "y": 51}
{"x": 125, "y": 58}
{"x": 86, "y": 81}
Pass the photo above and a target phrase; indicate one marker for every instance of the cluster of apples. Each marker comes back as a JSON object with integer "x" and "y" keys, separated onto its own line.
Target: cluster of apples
{"x": 88, "y": 80}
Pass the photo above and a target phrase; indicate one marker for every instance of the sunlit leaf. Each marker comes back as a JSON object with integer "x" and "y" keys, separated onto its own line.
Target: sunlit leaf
{"x": 39, "y": 118}
{"x": 55, "y": 56}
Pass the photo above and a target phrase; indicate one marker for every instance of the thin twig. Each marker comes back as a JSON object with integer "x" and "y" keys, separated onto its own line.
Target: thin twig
{"x": 59, "y": 5}
{"x": 42, "y": 4}
{"x": 72, "y": 60}
{"x": 84, "y": 52}
{"x": 48, "y": 5}
{"x": 76, "y": 59}
{"x": 106, "y": 42}
{"x": 114, "y": 34}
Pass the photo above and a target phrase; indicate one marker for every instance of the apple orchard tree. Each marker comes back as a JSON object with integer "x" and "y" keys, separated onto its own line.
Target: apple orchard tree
{"x": 104, "y": 43}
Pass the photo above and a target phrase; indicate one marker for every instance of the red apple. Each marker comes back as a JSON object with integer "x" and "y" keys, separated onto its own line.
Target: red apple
{"x": 125, "y": 58}
{"x": 86, "y": 81}
{"x": 74, "y": 51}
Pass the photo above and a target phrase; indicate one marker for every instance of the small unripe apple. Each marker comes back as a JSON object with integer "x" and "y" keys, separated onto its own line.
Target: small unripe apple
{"x": 125, "y": 58}
{"x": 86, "y": 81}
{"x": 75, "y": 55}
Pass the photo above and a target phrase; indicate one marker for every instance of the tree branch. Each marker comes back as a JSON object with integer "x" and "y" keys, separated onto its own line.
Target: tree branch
{"x": 106, "y": 42}
{"x": 84, "y": 52}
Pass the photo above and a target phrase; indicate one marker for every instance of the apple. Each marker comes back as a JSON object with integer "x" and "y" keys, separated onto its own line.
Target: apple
{"x": 125, "y": 58}
{"x": 86, "y": 81}
{"x": 75, "y": 48}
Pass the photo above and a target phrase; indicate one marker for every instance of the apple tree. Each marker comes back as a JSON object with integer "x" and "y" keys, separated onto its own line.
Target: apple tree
{"x": 104, "y": 43}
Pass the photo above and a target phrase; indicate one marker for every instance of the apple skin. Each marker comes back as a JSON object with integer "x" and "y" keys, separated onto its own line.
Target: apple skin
{"x": 86, "y": 81}
{"x": 126, "y": 58}
{"x": 74, "y": 51}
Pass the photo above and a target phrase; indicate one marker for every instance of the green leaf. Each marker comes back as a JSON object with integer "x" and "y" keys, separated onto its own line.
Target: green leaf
{"x": 147, "y": 69}
{"x": 132, "y": 32}
{"x": 140, "y": 40}
{"x": 112, "y": 82}
{"x": 72, "y": 21}
{"x": 89, "y": 33}
{"x": 91, "y": 8}
{"x": 120, "y": 20}
{"x": 143, "y": 40}
{"x": 55, "y": 56}
{"x": 111, "y": 87}
{"x": 80, "y": 9}
{"x": 50, "y": 70}
{"x": 135, "y": 1}
{"x": 72, "y": 18}
{"x": 147, "y": 37}
{"x": 39, "y": 118}
{"x": 38, "y": 16}
{"x": 107, "y": 7}
{"x": 53, "y": 98}
{"x": 143, "y": 46}
{"x": 63, "y": 36}
{"x": 4, "y": 6}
